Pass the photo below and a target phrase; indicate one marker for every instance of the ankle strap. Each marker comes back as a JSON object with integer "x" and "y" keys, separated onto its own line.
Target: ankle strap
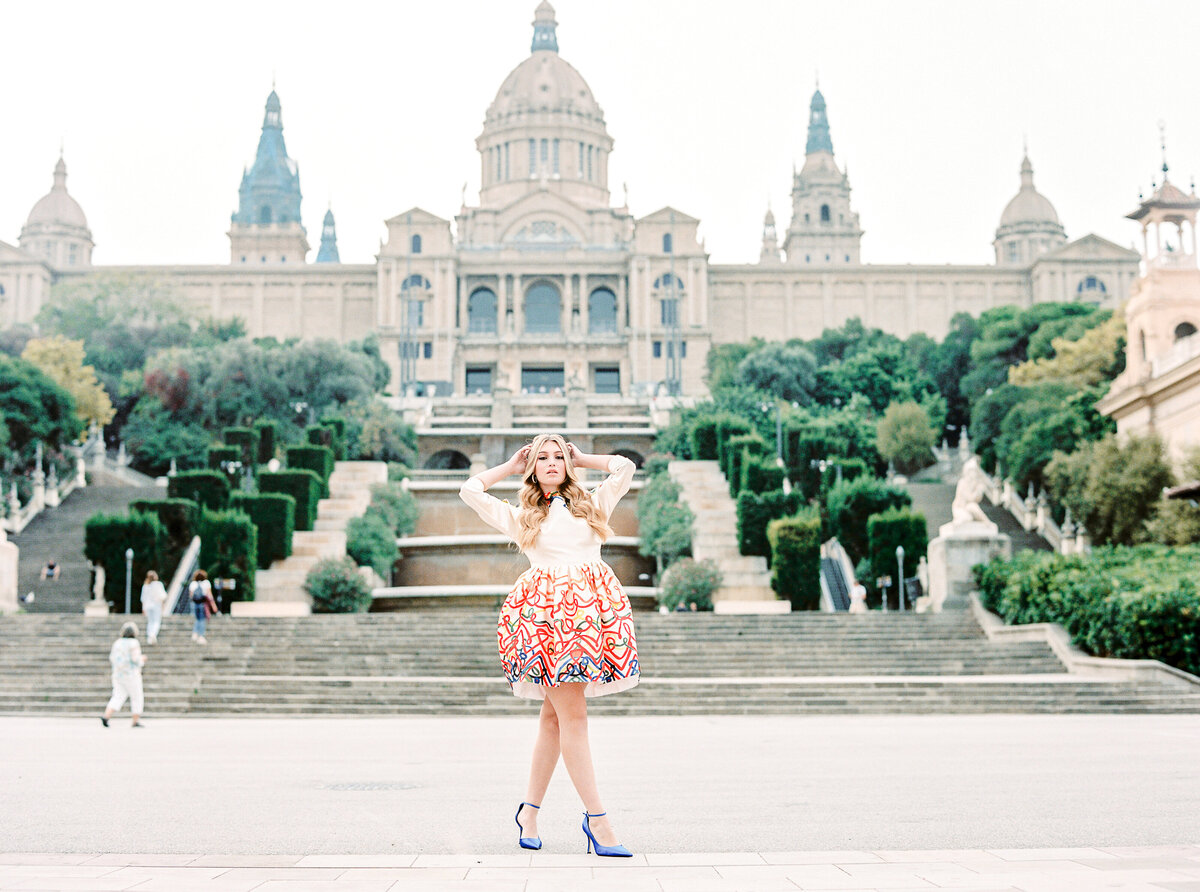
{"x": 531, "y": 805}
{"x": 600, "y": 815}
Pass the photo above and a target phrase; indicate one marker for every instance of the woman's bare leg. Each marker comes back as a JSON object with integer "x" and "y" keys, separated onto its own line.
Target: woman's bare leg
{"x": 541, "y": 768}
{"x": 571, "y": 708}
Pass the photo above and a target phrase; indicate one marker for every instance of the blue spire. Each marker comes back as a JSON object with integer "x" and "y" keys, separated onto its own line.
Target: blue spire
{"x": 270, "y": 190}
{"x": 544, "y": 36}
{"x": 818, "y": 127}
{"x": 328, "y": 252}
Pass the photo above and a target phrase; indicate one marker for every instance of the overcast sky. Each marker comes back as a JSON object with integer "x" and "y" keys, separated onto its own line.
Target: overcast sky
{"x": 160, "y": 106}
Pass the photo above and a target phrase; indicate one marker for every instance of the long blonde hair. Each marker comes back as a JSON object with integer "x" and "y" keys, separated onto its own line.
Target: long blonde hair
{"x": 535, "y": 507}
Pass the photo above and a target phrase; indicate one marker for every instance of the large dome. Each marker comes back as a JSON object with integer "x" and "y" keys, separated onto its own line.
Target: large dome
{"x": 57, "y": 208}
{"x": 1028, "y": 205}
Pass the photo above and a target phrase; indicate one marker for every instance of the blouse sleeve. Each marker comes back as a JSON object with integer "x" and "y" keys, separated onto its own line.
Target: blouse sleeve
{"x": 615, "y": 485}
{"x": 495, "y": 513}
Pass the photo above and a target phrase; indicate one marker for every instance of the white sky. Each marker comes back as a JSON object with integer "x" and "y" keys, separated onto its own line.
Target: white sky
{"x": 160, "y": 106}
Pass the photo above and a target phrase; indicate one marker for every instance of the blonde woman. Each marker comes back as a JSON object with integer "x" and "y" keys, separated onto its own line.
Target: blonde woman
{"x": 566, "y": 628}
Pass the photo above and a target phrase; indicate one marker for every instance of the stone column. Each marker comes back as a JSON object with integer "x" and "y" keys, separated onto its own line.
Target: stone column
{"x": 9, "y": 555}
{"x": 52, "y": 499}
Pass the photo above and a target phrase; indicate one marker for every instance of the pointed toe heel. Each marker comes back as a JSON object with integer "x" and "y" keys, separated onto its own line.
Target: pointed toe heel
{"x": 603, "y": 851}
{"x": 526, "y": 842}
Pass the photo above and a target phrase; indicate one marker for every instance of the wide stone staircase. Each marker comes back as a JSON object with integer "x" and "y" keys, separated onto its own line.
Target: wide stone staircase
{"x": 57, "y": 534}
{"x": 349, "y": 495}
{"x": 443, "y": 662}
{"x": 714, "y": 532}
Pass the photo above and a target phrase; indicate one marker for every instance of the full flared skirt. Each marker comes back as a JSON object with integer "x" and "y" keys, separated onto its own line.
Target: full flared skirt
{"x": 568, "y": 624}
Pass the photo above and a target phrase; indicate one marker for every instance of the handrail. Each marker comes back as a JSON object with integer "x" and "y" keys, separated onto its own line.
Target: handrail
{"x": 187, "y": 566}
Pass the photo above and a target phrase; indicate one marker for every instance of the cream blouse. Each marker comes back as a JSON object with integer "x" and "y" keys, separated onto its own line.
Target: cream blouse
{"x": 564, "y": 538}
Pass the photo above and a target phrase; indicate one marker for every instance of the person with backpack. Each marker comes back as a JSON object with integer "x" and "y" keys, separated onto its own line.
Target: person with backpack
{"x": 199, "y": 592}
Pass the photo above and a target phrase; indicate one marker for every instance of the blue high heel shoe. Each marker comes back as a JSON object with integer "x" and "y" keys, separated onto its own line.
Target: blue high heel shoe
{"x": 527, "y": 842}
{"x": 604, "y": 851}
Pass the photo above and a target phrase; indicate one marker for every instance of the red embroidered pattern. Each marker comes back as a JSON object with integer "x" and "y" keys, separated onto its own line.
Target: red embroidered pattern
{"x": 568, "y": 623}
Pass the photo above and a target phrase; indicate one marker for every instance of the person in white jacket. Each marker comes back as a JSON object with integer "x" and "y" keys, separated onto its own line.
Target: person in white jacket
{"x": 127, "y": 662}
{"x": 154, "y": 596}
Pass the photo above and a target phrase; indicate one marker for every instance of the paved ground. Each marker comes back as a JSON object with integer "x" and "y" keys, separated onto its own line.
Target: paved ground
{"x": 708, "y": 803}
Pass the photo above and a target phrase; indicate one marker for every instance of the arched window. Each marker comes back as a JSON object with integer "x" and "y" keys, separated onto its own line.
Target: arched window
{"x": 416, "y": 244}
{"x": 1091, "y": 284}
{"x": 481, "y": 311}
{"x": 447, "y": 460}
{"x": 1184, "y": 330}
{"x": 664, "y": 281}
{"x": 414, "y": 282}
{"x": 543, "y": 309}
{"x": 824, "y": 213}
{"x": 602, "y": 312}
{"x": 667, "y": 244}
{"x": 264, "y": 214}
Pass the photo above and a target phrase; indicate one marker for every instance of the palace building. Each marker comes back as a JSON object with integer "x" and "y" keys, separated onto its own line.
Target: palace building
{"x": 547, "y": 286}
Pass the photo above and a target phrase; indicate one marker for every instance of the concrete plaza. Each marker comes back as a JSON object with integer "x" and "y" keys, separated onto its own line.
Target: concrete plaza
{"x": 970, "y": 802}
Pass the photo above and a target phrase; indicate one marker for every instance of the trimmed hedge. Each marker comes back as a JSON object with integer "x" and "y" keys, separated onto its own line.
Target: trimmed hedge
{"x": 268, "y": 436}
{"x": 796, "y": 558}
{"x": 703, "y": 436}
{"x": 221, "y": 453}
{"x": 229, "y": 550}
{"x": 735, "y": 451}
{"x": 274, "y": 516}
{"x": 729, "y": 427}
{"x": 896, "y": 526}
{"x": 318, "y": 459}
{"x": 180, "y": 519}
{"x": 801, "y": 449}
{"x": 756, "y": 510}
{"x": 303, "y": 486}
{"x": 760, "y": 473}
{"x": 105, "y": 538}
{"x": 336, "y": 586}
{"x": 338, "y": 426}
{"x": 850, "y": 505}
{"x": 245, "y": 440}
{"x": 1135, "y": 602}
{"x": 208, "y": 488}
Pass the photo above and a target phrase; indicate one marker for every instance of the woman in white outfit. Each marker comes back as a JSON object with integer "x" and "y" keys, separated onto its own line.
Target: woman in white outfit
{"x": 127, "y": 662}
{"x": 154, "y": 596}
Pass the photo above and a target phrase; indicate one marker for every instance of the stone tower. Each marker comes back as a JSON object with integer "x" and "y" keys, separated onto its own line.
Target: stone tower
{"x": 328, "y": 252}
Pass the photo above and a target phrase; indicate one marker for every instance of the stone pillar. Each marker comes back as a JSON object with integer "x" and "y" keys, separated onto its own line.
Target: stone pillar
{"x": 81, "y": 471}
{"x": 9, "y": 555}
{"x": 957, "y": 548}
{"x": 502, "y": 415}
{"x": 97, "y": 606}
{"x": 39, "y": 483}
{"x": 52, "y": 499}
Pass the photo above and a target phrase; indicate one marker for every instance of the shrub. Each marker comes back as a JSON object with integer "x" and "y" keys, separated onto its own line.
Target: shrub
{"x": 268, "y": 436}
{"x": 207, "y": 488}
{"x": 105, "y": 538}
{"x": 274, "y": 517}
{"x": 704, "y": 436}
{"x": 229, "y": 550}
{"x": 796, "y": 558}
{"x": 1132, "y": 602}
{"x": 728, "y": 427}
{"x": 372, "y": 543}
{"x": 337, "y": 428}
{"x": 220, "y": 453}
{"x": 396, "y": 505}
{"x": 755, "y": 511}
{"x": 906, "y": 436}
{"x": 246, "y": 441}
{"x": 656, "y": 463}
{"x": 801, "y": 450}
{"x": 690, "y": 582}
{"x": 336, "y": 586}
{"x": 180, "y": 519}
{"x": 664, "y": 522}
{"x": 304, "y": 486}
{"x": 895, "y": 527}
{"x": 734, "y": 452}
{"x": 760, "y": 473}
{"x": 397, "y": 471}
{"x": 852, "y": 502}
{"x": 318, "y": 459}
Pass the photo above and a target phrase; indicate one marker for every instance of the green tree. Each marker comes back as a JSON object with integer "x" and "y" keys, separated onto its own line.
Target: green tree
{"x": 722, "y": 362}
{"x": 35, "y": 409}
{"x": 783, "y": 370}
{"x": 906, "y": 437}
{"x": 1175, "y": 521}
{"x": 664, "y": 522}
{"x": 1095, "y": 357}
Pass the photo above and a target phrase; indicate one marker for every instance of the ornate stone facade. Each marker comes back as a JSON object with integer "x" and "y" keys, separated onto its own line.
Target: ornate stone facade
{"x": 547, "y": 286}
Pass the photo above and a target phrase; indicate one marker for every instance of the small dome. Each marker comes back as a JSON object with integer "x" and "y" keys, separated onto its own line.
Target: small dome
{"x": 57, "y": 208}
{"x": 544, "y": 82}
{"x": 1028, "y": 205}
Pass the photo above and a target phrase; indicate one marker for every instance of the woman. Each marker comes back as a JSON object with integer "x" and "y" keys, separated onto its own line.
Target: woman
{"x": 153, "y": 598}
{"x": 566, "y": 628}
{"x": 127, "y": 662}
{"x": 200, "y": 594}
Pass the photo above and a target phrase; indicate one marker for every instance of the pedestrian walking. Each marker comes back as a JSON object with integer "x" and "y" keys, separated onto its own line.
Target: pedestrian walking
{"x": 566, "y": 628}
{"x": 127, "y": 661}
{"x": 858, "y": 597}
{"x": 154, "y": 596}
{"x": 199, "y": 592}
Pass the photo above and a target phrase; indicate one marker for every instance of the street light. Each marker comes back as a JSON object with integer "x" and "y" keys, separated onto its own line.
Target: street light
{"x": 128, "y": 578}
{"x": 900, "y": 575}
{"x": 778, "y": 430}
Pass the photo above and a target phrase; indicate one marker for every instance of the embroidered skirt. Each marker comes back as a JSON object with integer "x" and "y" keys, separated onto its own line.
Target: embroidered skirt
{"x": 569, "y": 623}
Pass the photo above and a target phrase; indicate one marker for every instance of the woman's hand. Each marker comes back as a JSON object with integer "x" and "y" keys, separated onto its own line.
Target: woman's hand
{"x": 519, "y": 460}
{"x": 580, "y": 459}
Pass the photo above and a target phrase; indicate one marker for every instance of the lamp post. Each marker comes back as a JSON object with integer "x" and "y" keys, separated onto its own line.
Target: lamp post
{"x": 900, "y": 575}
{"x": 128, "y": 577}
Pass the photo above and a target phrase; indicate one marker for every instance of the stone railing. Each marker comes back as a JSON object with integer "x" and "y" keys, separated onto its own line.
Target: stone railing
{"x": 1033, "y": 513}
{"x": 48, "y": 492}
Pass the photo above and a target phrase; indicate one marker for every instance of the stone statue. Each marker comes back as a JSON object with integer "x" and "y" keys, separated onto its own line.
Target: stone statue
{"x": 971, "y": 487}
